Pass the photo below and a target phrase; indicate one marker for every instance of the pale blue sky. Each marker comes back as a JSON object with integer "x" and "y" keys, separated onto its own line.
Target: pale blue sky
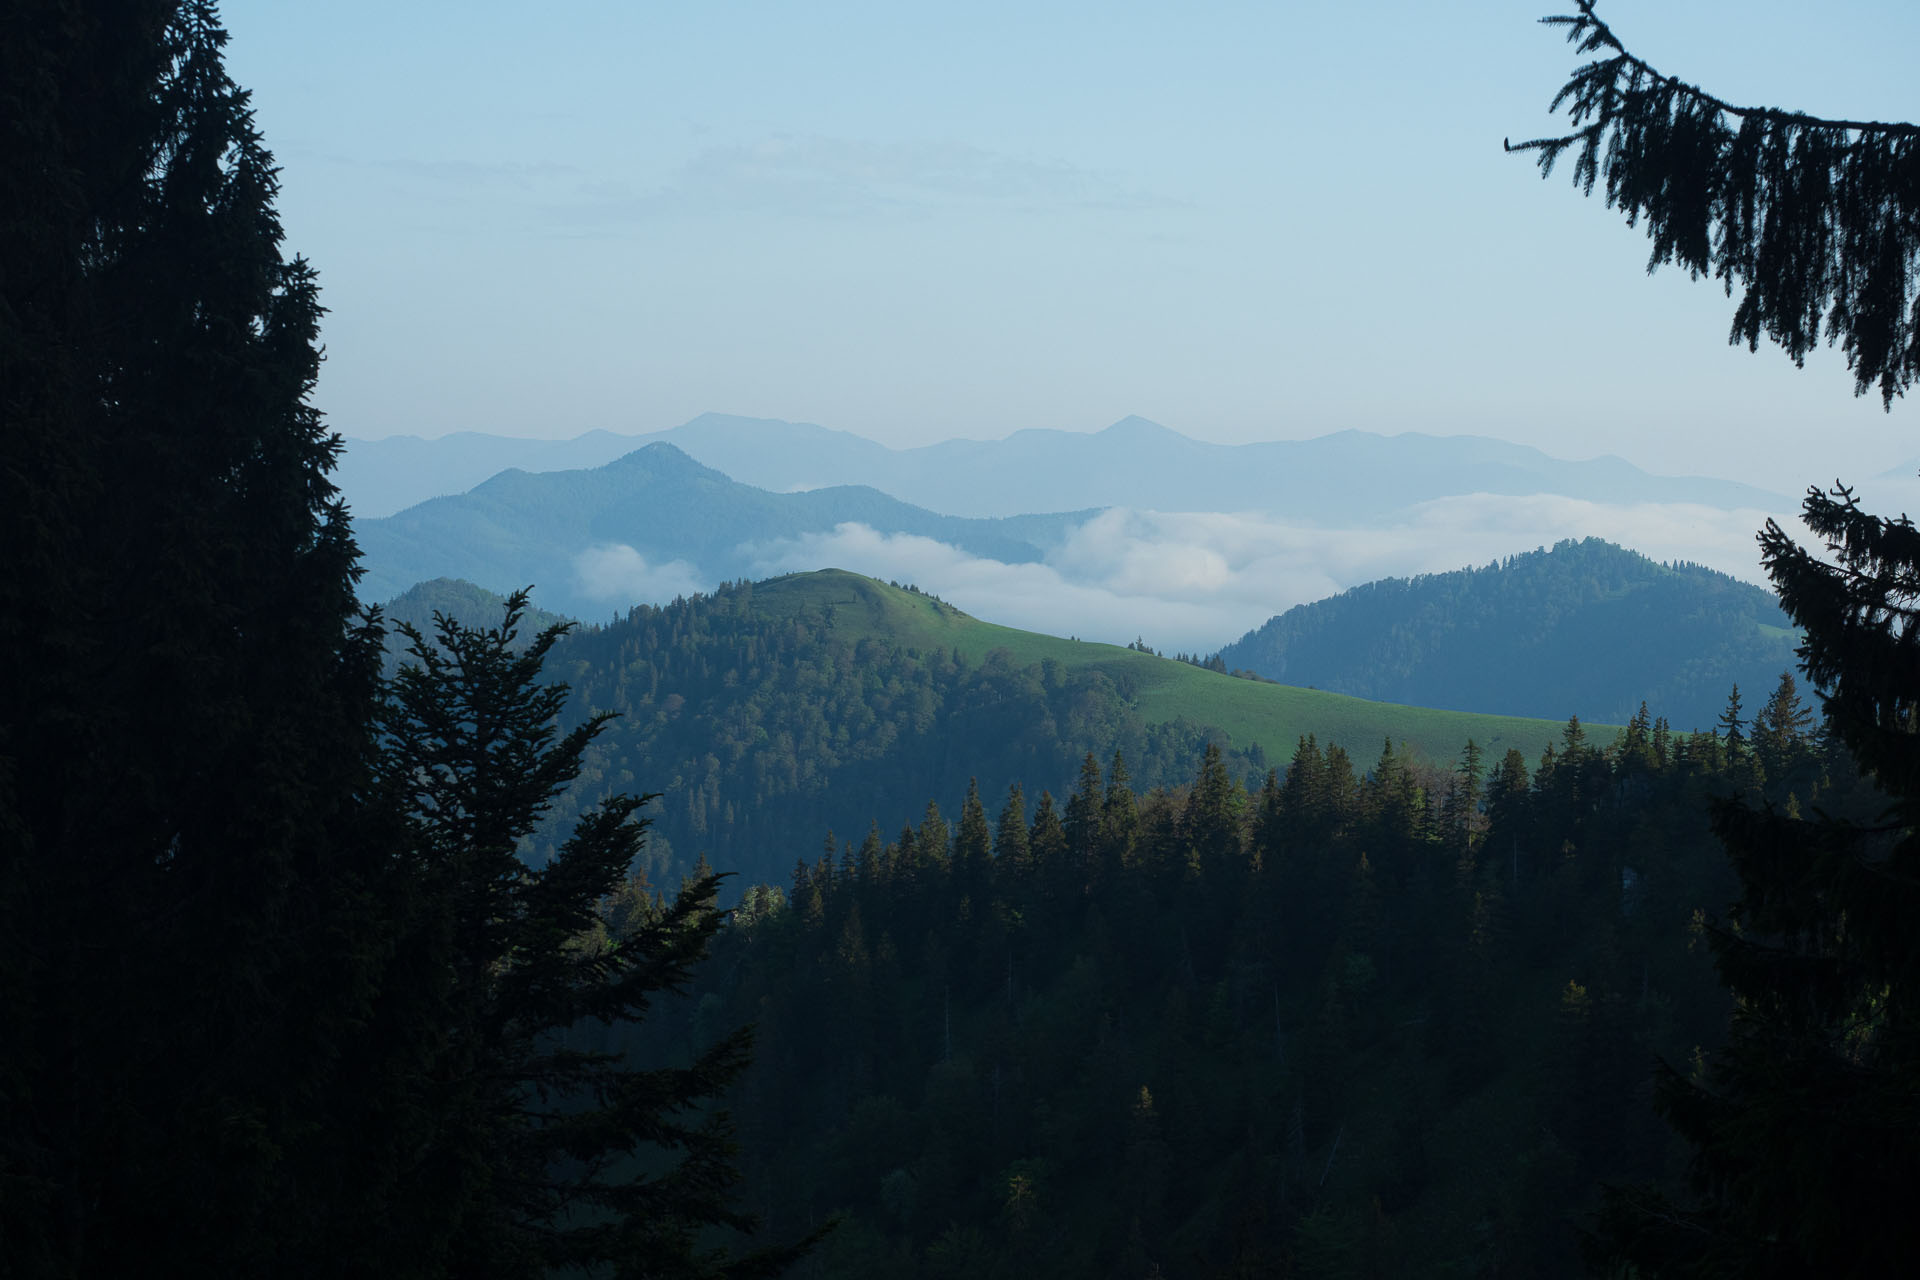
{"x": 917, "y": 220}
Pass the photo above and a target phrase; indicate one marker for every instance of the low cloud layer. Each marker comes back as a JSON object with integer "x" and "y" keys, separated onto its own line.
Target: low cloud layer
{"x": 1195, "y": 581}
{"x": 828, "y": 177}
{"x": 619, "y": 575}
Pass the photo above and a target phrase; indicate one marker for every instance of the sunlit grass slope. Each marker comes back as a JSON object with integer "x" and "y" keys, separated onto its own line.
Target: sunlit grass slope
{"x": 1275, "y": 716}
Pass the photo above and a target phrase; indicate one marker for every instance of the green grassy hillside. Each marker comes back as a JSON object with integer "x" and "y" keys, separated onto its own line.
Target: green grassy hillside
{"x": 1161, "y": 690}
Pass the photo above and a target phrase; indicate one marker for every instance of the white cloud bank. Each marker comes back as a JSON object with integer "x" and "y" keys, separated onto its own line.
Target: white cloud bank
{"x": 1195, "y": 581}
{"x": 616, "y": 572}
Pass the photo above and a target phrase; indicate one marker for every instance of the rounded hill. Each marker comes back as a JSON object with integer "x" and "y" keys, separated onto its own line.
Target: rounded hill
{"x": 1587, "y": 628}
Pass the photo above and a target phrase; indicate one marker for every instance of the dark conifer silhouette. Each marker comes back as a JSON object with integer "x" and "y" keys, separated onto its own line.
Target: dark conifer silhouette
{"x": 546, "y": 1149}
{"x": 1816, "y": 221}
{"x": 185, "y": 693}
{"x": 275, "y": 996}
{"x": 1805, "y": 1150}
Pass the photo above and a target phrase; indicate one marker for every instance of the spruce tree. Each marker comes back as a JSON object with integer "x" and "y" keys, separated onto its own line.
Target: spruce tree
{"x": 1781, "y": 735}
{"x": 1047, "y": 842}
{"x": 1119, "y": 818}
{"x": 973, "y": 846}
{"x": 1210, "y": 820}
{"x": 1806, "y": 1154}
{"x": 545, "y": 1148}
{"x": 1012, "y": 855}
{"x": 1732, "y": 737}
{"x": 187, "y": 929}
{"x": 255, "y": 1012}
{"x": 1082, "y": 823}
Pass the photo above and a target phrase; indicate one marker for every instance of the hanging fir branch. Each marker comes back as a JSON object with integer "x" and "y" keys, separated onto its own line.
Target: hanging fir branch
{"x": 1816, "y": 220}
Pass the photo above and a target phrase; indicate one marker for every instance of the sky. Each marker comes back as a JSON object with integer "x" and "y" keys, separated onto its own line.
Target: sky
{"x": 918, "y": 221}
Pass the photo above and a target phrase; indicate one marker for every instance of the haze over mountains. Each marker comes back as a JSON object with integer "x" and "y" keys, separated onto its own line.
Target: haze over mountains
{"x": 650, "y": 525}
{"x": 1133, "y": 463}
{"x": 1186, "y": 543}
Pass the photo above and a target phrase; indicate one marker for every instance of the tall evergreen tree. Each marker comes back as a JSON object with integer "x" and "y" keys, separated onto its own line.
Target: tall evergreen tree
{"x": 219, "y": 1053}
{"x": 1805, "y": 1148}
{"x": 972, "y": 845}
{"x": 529, "y": 1158}
{"x": 1461, "y": 807}
{"x": 1083, "y": 820}
{"x": 1047, "y": 840}
{"x": 1211, "y": 819}
{"x": 1119, "y": 817}
{"x": 1010, "y": 847}
{"x": 186, "y": 930}
{"x": 1806, "y": 1156}
{"x": 1732, "y": 734}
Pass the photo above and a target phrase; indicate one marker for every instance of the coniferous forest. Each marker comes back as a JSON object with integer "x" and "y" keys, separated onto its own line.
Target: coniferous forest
{"x": 1380, "y": 1021}
{"x": 339, "y": 944}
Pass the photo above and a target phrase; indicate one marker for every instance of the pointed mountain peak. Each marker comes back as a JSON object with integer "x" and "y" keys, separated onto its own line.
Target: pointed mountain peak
{"x": 662, "y": 458}
{"x": 1134, "y": 429}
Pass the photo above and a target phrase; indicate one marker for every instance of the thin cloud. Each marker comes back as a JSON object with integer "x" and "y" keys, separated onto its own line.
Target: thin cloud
{"x": 843, "y": 177}
{"x": 466, "y": 175}
{"x": 618, "y": 574}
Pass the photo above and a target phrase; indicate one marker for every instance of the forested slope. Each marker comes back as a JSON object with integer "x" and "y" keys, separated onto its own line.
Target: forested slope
{"x": 818, "y": 700}
{"x": 1399, "y": 1024}
{"x": 1586, "y": 628}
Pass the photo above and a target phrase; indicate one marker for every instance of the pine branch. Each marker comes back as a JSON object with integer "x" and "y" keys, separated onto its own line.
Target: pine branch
{"x": 1816, "y": 219}
{"x": 1589, "y": 33}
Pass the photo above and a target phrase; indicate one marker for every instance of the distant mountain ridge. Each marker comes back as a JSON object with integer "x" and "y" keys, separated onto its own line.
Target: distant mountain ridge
{"x": 1586, "y": 628}
{"x": 459, "y": 601}
{"x": 521, "y": 528}
{"x": 1134, "y": 463}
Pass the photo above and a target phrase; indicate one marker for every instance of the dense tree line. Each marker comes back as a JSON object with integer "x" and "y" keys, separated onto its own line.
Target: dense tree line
{"x": 1381, "y": 1021}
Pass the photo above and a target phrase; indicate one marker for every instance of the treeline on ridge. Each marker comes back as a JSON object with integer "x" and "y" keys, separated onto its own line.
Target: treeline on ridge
{"x": 754, "y": 727}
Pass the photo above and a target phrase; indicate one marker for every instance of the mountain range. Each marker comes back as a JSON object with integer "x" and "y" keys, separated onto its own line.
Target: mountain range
{"x": 649, "y": 525}
{"x": 1344, "y": 476}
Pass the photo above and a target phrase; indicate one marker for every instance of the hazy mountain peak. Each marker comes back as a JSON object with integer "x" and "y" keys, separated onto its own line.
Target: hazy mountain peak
{"x": 1348, "y": 475}
{"x": 663, "y": 459}
{"x": 1135, "y": 427}
{"x": 611, "y": 535}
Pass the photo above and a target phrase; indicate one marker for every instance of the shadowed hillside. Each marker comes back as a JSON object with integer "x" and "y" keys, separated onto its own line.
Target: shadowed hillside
{"x": 1587, "y": 629}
